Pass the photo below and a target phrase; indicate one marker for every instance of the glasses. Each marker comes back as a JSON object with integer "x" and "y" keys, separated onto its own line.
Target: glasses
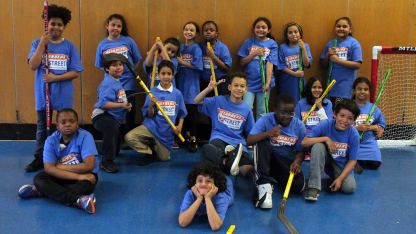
{"x": 287, "y": 113}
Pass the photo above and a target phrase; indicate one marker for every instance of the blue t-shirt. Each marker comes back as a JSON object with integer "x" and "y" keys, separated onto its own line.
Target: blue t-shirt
{"x": 231, "y": 122}
{"x": 63, "y": 57}
{"x": 290, "y": 138}
{"x": 221, "y": 201}
{"x": 111, "y": 90}
{"x": 172, "y": 103}
{"x": 149, "y": 71}
{"x": 252, "y": 69}
{"x": 125, "y": 46}
{"x": 346, "y": 142}
{"x": 348, "y": 49}
{"x": 81, "y": 146}
{"x": 368, "y": 146}
{"x": 302, "y": 108}
{"x": 289, "y": 58}
{"x": 189, "y": 77}
{"x": 222, "y": 52}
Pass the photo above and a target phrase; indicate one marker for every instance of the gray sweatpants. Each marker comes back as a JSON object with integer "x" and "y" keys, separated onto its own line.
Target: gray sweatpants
{"x": 321, "y": 160}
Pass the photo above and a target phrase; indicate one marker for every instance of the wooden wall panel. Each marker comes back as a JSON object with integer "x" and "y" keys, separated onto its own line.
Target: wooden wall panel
{"x": 29, "y": 26}
{"x": 317, "y": 21}
{"x": 94, "y": 14}
{"x": 7, "y": 92}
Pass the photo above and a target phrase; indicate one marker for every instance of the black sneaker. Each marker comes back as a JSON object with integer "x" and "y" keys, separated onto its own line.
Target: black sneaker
{"x": 109, "y": 166}
{"x": 192, "y": 145}
{"x": 147, "y": 159}
{"x": 35, "y": 165}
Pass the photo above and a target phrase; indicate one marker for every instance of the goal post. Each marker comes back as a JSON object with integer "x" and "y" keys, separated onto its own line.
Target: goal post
{"x": 398, "y": 101}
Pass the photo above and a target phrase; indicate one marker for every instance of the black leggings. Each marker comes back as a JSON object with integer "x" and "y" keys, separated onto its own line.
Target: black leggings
{"x": 190, "y": 122}
{"x": 110, "y": 129}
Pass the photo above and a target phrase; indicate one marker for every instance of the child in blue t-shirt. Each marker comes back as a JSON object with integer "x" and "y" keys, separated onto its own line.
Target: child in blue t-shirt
{"x": 288, "y": 61}
{"x": 346, "y": 58}
{"x": 369, "y": 155}
{"x": 312, "y": 95}
{"x": 219, "y": 54}
{"x": 71, "y": 169}
{"x": 262, "y": 44}
{"x": 334, "y": 145}
{"x": 155, "y": 136}
{"x": 191, "y": 67}
{"x": 64, "y": 65}
{"x": 118, "y": 41}
{"x": 168, "y": 50}
{"x": 209, "y": 193}
{"x": 278, "y": 150}
{"x": 110, "y": 109}
{"x": 232, "y": 120}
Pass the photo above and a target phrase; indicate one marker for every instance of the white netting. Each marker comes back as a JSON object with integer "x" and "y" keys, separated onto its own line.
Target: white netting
{"x": 398, "y": 101}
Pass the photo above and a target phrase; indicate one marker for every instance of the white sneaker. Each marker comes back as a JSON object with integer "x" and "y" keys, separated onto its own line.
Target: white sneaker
{"x": 234, "y": 167}
{"x": 229, "y": 148}
{"x": 265, "y": 196}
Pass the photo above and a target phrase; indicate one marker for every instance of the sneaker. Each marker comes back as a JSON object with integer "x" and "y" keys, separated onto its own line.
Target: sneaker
{"x": 87, "y": 203}
{"x": 28, "y": 191}
{"x": 35, "y": 165}
{"x": 265, "y": 196}
{"x": 228, "y": 149}
{"x": 175, "y": 145}
{"x": 147, "y": 159}
{"x": 235, "y": 159}
{"x": 312, "y": 194}
{"x": 192, "y": 145}
{"x": 109, "y": 166}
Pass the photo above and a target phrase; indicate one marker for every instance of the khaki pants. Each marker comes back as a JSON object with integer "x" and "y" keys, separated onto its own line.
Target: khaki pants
{"x": 143, "y": 141}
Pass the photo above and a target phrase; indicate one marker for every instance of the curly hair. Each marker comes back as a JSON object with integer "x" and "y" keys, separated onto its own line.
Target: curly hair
{"x": 207, "y": 169}
{"x": 55, "y": 11}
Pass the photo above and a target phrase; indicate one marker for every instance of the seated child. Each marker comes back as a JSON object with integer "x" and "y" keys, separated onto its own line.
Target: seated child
{"x": 110, "y": 109}
{"x": 155, "y": 136}
{"x": 232, "y": 120}
{"x": 369, "y": 155}
{"x": 168, "y": 50}
{"x": 209, "y": 193}
{"x": 71, "y": 170}
{"x": 334, "y": 145}
{"x": 278, "y": 151}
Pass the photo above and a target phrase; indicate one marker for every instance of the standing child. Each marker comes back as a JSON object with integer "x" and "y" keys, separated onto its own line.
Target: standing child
{"x": 166, "y": 51}
{"x": 346, "y": 58}
{"x": 289, "y": 60}
{"x": 323, "y": 110}
{"x": 191, "y": 67}
{"x": 64, "y": 66}
{"x": 119, "y": 42}
{"x": 219, "y": 54}
{"x": 155, "y": 136}
{"x": 232, "y": 120}
{"x": 334, "y": 145}
{"x": 369, "y": 155}
{"x": 209, "y": 193}
{"x": 110, "y": 109}
{"x": 262, "y": 44}
{"x": 278, "y": 151}
{"x": 71, "y": 169}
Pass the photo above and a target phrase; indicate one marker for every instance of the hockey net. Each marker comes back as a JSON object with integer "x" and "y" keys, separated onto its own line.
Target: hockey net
{"x": 398, "y": 101}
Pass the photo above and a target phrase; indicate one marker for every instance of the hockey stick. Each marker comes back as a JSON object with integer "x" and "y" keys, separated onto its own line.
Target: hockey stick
{"x": 331, "y": 64}
{"x": 300, "y": 69}
{"x": 263, "y": 79}
{"x": 152, "y": 83}
{"x": 46, "y": 62}
{"x": 322, "y": 97}
{"x": 281, "y": 213}
{"x": 375, "y": 103}
{"x": 212, "y": 71}
{"x": 130, "y": 67}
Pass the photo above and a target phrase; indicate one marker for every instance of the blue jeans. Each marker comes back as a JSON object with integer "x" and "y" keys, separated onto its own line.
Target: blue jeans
{"x": 260, "y": 105}
{"x": 41, "y": 133}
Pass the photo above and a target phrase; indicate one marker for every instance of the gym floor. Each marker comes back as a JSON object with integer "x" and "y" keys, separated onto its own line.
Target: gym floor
{"x": 147, "y": 200}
